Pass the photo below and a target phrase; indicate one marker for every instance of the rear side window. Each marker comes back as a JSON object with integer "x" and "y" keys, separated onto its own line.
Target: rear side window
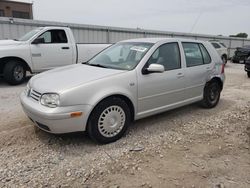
{"x": 196, "y": 54}
{"x": 54, "y": 36}
{"x": 215, "y": 45}
{"x": 167, "y": 55}
{"x": 205, "y": 54}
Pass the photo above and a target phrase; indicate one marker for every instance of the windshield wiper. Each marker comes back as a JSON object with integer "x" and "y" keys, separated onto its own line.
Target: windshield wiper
{"x": 98, "y": 65}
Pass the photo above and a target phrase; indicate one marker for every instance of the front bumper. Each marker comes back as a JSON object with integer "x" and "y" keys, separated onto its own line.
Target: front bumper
{"x": 239, "y": 58}
{"x": 247, "y": 67}
{"x": 55, "y": 120}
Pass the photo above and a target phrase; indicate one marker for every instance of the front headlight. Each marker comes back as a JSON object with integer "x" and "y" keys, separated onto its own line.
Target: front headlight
{"x": 50, "y": 99}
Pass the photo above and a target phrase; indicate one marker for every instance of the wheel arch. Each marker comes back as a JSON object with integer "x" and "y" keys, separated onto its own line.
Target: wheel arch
{"x": 218, "y": 80}
{"x": 4, "y": 61}
{"x": 121, "y": 96}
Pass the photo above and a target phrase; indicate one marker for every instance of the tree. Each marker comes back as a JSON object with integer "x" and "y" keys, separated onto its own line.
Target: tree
{"x": 240, "y": 35}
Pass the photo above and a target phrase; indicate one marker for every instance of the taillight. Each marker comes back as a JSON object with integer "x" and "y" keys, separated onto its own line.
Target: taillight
{"x": 223, "y": 68}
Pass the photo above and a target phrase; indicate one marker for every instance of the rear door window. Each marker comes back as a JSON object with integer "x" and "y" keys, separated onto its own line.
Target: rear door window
{"x": 196, "y": 54}
{"x": 193, "y": 54}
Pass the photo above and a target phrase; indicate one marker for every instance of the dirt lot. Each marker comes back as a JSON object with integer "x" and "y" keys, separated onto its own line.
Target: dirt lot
{"x": 186, "y": 147}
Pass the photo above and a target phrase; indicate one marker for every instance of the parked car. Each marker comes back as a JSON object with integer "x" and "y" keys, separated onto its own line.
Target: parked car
{"x": 42, "y": 49}
{"x": 221, "y": 49}
{"x": 247, "y": 66}
{"x": 128, "y": 81}
{"x": 241, "y": 54}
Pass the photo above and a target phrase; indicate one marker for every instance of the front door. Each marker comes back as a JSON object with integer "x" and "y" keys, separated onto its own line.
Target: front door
{"x": 160, "y": 91}
{"x": 54, "y": 50}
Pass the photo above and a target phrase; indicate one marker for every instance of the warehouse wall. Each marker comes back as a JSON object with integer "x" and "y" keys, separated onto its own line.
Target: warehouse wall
{"x": 14, "y": 28}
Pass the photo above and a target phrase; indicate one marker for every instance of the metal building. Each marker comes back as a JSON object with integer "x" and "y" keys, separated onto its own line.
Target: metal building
{"x": 12, "y": 28}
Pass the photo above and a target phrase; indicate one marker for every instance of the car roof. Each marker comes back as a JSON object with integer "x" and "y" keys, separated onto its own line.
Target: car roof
{"x": 156, "y": 40}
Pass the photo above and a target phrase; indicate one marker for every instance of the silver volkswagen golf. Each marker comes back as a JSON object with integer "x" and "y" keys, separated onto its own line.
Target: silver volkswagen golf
{"x": 128, "y": 81}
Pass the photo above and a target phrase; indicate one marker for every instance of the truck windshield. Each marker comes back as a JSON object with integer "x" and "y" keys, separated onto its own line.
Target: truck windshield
{"x": 30, "y": 34}
{"x": 123, "y": 56}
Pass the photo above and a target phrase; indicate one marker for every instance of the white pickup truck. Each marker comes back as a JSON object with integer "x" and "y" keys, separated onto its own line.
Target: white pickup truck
{"x": 42, "y": 49}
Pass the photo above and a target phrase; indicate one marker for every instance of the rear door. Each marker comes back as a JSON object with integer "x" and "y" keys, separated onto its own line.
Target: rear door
{"x": 54, "y": 51}
{"x": 198, "y": 68}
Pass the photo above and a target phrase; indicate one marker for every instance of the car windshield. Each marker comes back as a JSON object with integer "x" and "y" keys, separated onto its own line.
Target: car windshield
{"x": 30, "y": 34}
{"x": 223, "y": 44}
{"x": 123, "y": 56}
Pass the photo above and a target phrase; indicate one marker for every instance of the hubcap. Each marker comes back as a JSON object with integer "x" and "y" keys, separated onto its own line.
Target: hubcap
{"x": 18, "y": 73}
{"x": 214, "y": 93}
{"x": 111, "y": 121}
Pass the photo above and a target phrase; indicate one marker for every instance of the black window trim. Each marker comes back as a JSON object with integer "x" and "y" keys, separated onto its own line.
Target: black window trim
{"x": 198, "y": 43}
{"x": 54, "y": 30}
{"x": 146, "y": 64}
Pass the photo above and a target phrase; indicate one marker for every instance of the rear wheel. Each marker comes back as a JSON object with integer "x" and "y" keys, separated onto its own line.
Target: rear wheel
{"x": 14, "y": 72}
{"x": 109, "y": 120}
{"x": 248, "y": 74}
{"x": 224, "y": 59}
{"x": 211, "y": 95}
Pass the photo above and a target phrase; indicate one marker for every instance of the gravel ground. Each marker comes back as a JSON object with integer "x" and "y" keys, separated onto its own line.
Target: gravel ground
{"x": 186, "y": 147}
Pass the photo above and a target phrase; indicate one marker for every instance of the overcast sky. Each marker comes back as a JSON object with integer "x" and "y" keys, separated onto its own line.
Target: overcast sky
{"x": 197, "y": 16}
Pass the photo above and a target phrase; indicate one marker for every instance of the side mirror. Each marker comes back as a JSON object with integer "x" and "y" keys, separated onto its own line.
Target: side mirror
{"x": 154, "y": 68}
{"x": 38, "y": 41}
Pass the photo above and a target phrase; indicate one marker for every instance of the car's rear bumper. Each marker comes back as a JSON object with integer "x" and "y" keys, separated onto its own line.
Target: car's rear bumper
{"x": 55, "y": 120}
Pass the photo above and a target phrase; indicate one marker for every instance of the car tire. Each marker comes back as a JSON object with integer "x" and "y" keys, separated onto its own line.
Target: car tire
{"x": 109, "y": 120}
{"x": 211, "y": 95}
{"x": 14, "y": 72}
{"x": 224, "y": 59}
{"x": 248, "y": 74}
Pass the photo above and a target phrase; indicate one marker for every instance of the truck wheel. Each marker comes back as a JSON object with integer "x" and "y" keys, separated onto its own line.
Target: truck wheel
{"x": 14, "y": 72}
{"x": 248, "y": 74}
{"x": 109, "y": 120}
{"x": 211, "y": 95}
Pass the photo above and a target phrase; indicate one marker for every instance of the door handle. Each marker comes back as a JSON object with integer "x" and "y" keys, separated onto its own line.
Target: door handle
{"x": 65, "y": 48}
{"x": 180, "y": 75}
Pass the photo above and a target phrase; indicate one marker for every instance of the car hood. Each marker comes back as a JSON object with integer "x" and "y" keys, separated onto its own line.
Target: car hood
{"x": 60, "y": 79}
{"x": 9, "y": 42}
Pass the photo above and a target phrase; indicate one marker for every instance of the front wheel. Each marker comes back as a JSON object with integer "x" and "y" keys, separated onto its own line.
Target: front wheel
{"x": 211, "y": 95}
{"x": 109, "y": 120}
{"x": 248, "y": 74}
{"x": 14, "y": 72}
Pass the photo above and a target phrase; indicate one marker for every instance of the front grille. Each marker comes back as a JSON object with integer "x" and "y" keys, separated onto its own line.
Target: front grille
{"x": 35, "y": 95}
